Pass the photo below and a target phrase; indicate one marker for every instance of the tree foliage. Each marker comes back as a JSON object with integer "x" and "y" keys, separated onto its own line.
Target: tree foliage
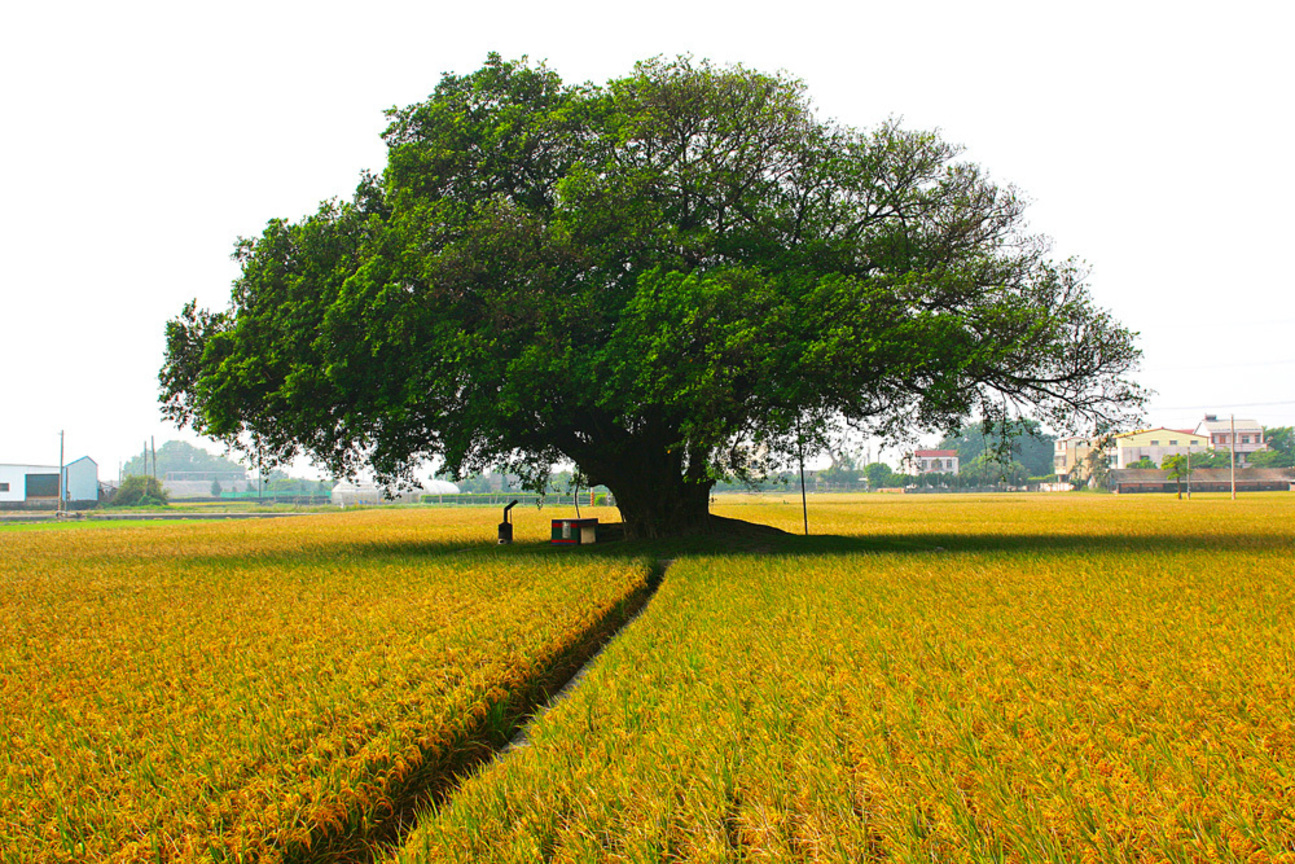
{"x": 1281, "y": 449}
{"x": 653, "y": 279}
{"x": 180, "y": 456}
{"x": 1219, "y": 457}
{"x": 139, "y": 490}
{"x": 880, "y": 476}
{"x": 1021, "y": 440}
{"x": 991, "y": 468}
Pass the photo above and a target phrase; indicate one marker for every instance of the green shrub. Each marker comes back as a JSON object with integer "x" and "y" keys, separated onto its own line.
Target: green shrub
{"x": 140, "y": 491}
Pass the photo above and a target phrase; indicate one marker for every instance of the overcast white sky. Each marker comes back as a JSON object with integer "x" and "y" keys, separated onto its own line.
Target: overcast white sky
{"x": 140, "y": 139}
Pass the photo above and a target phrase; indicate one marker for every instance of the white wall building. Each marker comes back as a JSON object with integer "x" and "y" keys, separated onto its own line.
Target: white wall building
{"x": 930, "y": 462}
{"x": 1221, "y": 430}
{"x": 39, "y": 484}
{"x": 82, "y": 480}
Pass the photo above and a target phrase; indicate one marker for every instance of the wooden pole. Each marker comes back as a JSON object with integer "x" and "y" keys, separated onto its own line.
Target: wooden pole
{"x": 62, "y": 475}
{"x": 1233, "y": 451}
{"x": 804, "y": 502}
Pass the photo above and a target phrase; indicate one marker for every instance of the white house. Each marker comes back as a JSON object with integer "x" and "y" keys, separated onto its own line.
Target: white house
{"x": 1220, "y": 432}
{"x": 930, "y": 462}
{"x": 39, "y": 484}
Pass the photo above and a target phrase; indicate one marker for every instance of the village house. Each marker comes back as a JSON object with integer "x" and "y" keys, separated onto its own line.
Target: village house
{"x": 1155, "y": 444}
{"x": 930, "y": 462}
{"x": 1221, "y": 431}
{"x": 1069, "y": 460}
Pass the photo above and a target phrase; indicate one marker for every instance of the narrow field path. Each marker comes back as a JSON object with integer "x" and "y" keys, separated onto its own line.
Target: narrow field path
{"x": 495, "y": 737}
{"x": 522, "y": 738}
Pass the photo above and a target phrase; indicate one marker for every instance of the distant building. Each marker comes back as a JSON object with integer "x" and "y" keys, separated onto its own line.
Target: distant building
{"x": 1154, "y": 444}
{"x": 184, "y": 485}
{"x": 1249, "y": 436}
{"x": 1069, "y": 458}
{"x": 38, "y": 485}
{"x": 930, "y": 462}
{"x": 349, "y": 494}
{"x": 1130, "y": 480}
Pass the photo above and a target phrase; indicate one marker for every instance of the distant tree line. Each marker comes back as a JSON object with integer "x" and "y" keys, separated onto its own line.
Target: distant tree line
{"x": 179, "y": 456}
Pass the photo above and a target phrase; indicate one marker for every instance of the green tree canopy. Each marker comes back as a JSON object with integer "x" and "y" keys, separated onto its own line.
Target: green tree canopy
{"x": 138, "y": 490}
{"x": 1281, "y": 448}
{"x": 1022, "y": 440}
{"x": 183, "y": 457}
{"x": 1219, "y": 457}
{"x": 991, "y": 468}
{"x": 653, "y": 279}
{"x": 881, "y": 475}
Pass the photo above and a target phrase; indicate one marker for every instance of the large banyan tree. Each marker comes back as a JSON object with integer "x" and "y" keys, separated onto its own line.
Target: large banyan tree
{"x": 653, "y": 279}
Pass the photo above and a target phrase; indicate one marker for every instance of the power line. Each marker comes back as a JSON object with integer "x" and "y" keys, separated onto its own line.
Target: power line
{"x": 1222, "y": 405}
{"x": 1218, "y": 366}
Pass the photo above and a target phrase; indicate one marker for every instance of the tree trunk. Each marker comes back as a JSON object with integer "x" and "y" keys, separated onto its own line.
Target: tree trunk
{"x": 659, "y": 493}
{"x": 666, "y": 507}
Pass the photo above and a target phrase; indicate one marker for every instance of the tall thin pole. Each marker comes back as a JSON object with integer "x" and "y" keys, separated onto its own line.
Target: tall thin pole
{"x": 62, "y": 474}
{"x": 1189, "y": 469}
{"x": 1233, "y": 451}
{"x": 804, "y": 503}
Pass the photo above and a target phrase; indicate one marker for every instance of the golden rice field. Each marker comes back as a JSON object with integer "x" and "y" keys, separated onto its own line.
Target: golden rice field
{"x": 1012, "y": 679}
{"x": 270, "y": 690}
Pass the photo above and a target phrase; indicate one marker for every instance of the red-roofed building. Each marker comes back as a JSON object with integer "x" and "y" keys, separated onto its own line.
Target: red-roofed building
{"x": 930, "y": 462}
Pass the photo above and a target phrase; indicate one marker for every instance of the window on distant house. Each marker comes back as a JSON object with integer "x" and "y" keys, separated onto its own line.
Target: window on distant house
{"x": 4, "y": 487}
{"x": 1245, "y": 439}
{"x": 1173, "y": 442}
{"x": 1155, "y": 443}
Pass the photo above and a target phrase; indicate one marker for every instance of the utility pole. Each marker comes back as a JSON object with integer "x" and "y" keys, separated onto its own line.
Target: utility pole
{"x": 1189, "y": 469}
{"x": 1232, "y": 450}
{"x": 62, "y": 476}
{"x": 804, "y": 503}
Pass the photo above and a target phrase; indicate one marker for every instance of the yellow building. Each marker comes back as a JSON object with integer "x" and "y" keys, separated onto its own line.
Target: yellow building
{"x": 1155, "y": 444}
